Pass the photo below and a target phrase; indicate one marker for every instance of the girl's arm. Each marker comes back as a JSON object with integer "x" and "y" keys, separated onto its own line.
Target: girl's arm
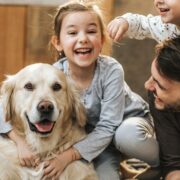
{"x": 110, "y": 87}
{"x": 107, "y": 109}
{"x": 26, "y": 156}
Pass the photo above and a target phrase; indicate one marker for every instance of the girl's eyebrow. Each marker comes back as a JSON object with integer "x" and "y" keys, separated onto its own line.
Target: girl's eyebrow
{"x": 70, "y": 26}
{"x": 73, "y": 25}
{"x": 93, "y": 24}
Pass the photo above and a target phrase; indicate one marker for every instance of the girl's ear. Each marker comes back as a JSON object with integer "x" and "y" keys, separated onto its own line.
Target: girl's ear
{"x": 55, "y": 42}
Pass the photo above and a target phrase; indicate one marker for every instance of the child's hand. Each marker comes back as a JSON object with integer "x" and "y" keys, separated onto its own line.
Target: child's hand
{"x": 117, "y": 28}
{"x": 54, "y": 167}
{"x": 26, "y": 156}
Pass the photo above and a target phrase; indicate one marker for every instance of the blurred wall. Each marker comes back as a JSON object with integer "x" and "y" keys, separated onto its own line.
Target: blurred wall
{"x": 25, "y": 33}
{"x": 135, "y": 55}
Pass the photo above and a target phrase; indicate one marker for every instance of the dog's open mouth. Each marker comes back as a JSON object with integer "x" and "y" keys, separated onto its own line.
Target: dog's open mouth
{"x": 44, "y": 126}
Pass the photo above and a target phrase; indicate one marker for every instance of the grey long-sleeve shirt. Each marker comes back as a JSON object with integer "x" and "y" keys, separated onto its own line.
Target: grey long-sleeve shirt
{"x": 108, "y": 102}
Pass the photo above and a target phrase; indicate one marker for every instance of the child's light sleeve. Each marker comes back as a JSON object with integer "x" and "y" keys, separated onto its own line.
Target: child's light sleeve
{"x": 141, "y": 27}
{"x": 5, "y": 127}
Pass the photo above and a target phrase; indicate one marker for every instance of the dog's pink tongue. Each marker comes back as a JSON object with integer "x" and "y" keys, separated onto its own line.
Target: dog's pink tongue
{"x": 44, "y": 127}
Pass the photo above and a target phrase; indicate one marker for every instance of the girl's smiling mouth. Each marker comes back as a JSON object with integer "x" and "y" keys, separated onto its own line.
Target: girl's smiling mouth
{"x": 83, "y": 50}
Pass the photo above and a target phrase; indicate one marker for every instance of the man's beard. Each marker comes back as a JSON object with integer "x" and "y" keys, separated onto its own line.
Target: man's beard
{"x": 173, "y": 107}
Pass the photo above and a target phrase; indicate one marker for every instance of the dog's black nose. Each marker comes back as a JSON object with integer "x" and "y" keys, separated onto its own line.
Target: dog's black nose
{"x": 45, "y": 107}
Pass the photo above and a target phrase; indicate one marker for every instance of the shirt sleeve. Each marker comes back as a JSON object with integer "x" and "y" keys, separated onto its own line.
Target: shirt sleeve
{"x": 5, "y": 127}
{"x": 111, "y": 114}
{"x": 167, "y": 128}
{"x": 141, "y": 27}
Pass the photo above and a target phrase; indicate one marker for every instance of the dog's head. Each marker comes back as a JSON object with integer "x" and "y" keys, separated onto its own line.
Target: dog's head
{"x": 39, "y": 98}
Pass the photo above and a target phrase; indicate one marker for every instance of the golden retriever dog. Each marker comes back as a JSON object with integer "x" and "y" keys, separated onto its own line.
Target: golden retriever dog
{"x": 44, "y": 107}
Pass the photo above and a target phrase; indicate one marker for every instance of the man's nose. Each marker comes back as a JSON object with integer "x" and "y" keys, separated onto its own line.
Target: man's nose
{"x": 149, "y": 84}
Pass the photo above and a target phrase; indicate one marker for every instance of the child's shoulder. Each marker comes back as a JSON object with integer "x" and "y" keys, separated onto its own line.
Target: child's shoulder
{"x": 107, "y": 63}
{"x": 61, "y": 64}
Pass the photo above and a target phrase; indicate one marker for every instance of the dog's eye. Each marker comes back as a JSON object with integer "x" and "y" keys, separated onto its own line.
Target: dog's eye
{"x": 56, "y": 87}
{"x": 29, "y": 86}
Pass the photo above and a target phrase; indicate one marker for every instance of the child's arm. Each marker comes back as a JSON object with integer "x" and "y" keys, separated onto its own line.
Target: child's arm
{"x": 140, "y": 27}
{"x": 26, "y": 156}
{"x": 54, "y": 167}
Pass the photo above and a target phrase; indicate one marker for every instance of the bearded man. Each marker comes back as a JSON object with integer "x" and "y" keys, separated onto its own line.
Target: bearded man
{"x": 164, "y": 100}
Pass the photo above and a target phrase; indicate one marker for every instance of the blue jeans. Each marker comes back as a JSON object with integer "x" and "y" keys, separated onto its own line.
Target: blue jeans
{"x": 107, "y": 164}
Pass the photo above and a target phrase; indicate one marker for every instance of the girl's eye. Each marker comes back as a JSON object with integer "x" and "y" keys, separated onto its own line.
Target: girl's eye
{"x": 56, "y": 87}
{"x": 72, "y": 33}
{"x": 29, "y": 86}
{"x": 92, "y": 31}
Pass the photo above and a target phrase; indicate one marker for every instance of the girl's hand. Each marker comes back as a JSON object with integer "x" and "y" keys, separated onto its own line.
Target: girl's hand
{"x": 26, "y": 156}
{"x": 117, "y": 28}
{"x": 54, "y": 167}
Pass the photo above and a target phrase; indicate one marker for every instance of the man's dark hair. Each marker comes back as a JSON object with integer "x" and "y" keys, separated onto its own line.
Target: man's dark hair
{"x": 168, "y": 59}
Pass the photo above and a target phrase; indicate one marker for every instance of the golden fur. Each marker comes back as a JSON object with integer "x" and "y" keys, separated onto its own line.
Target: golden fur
{"x": 40, "y": 102}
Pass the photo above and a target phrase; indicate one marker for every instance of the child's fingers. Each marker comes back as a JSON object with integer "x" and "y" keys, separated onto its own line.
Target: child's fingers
{"x": 37, "y": 161}
{"x": 46, "y": 164}
{"x": 22, "y": 162}
{"x": 32, "y": 161}
{"x": 27, "y": 163}
{"x": 111, "y": 24}
{"x": 47, "y": 168}
{"x": 116, "y": 32}
{"x": 57, "y": 175}
{"x": 113, "y": 31}
{"x": 53, "y": 173}
{"x": 119, "y": 34}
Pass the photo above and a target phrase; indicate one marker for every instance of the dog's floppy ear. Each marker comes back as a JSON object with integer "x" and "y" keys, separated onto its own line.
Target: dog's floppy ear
{"x": 6, "y": 92}
{"x": 77, "y": 106}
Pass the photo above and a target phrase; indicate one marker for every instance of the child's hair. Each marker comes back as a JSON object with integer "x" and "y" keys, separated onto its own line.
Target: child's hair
{"x": 168, "y": 58}
{"x": 75, "y": 6}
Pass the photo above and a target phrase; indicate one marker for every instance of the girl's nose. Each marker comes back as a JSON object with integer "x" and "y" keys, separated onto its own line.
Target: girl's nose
{"x": 149, "y": 84}
{"x": 83, "y": 38}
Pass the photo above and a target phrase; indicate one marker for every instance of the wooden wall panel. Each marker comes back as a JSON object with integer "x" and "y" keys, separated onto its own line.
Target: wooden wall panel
{"x": 39, "y": 25}
{"x": 25, "y": 33}
{"x": 12, "y": 39}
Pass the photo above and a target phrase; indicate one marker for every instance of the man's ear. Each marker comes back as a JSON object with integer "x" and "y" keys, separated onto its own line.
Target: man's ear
{"x": 56, "y": 43}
